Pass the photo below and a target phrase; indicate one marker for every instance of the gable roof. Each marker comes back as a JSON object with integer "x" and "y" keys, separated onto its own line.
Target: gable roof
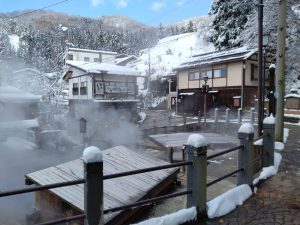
{"x": 100, "y": 68}
{"x": 217, "y": 57}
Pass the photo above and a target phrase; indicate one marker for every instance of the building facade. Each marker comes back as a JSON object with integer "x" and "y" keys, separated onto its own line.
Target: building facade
{"x": 232, "y": 79}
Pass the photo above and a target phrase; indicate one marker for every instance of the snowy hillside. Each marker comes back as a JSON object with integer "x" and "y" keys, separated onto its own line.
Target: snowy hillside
{"x": 169, "y": 52}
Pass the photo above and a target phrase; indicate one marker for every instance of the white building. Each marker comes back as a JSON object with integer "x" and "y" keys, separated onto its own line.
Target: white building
{"x": 87, "y": 55}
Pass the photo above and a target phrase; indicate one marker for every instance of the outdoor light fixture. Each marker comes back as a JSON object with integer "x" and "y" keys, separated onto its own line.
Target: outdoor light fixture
{"x": 205, "y": 90}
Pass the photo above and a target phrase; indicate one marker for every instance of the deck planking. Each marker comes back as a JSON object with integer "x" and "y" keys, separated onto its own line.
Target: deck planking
{"x": 117, "y": 191}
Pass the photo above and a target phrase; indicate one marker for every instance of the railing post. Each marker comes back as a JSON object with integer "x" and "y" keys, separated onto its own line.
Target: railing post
{"x": 240, "y": 115}
{"x": 268, "y": 141}
{"x": 196, "y": 150}
{"x": 252, "y": 115}
{"x": 93, "y": 187}
{"x": 199, "y": 117}
{"x": 216, "y": 115}
{"x": 245, "y": 155}
{"x": 227, "y": 115}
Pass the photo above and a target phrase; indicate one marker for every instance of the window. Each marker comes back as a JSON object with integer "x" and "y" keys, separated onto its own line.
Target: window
{"x": 75, "y": 89}
{"x": 194, "y": 76}
{"x": 219, "y": 73}
{"x": 86, "y": 59}
{"x": 83, "y": 88}
{"x": 207, "y": 73}
{"x": 96, "y": 60}
{"x": 254, "y": 72}
{"x": 70, "y": 57}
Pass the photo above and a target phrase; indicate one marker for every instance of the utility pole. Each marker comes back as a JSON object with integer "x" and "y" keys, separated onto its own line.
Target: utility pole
{"x": 280, "y": 77}
{"x": 260, "y": 67}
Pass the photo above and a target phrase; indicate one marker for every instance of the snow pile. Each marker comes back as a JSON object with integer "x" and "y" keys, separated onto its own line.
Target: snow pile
{"x": 269, "y": 120}
{"x": 157, "y": 101}
{"x": 196, "y": 140}
{"x": 180, "y": 217}
{"x": 271, "y": 170}
{"x": 246, "y": 128}
{"x": 279, "y": 146}
{"x": 228, "y": 201}
{"x": 285, "y": 134}
{"x": 259, "y": 142}
{"x": 92, "y": 154}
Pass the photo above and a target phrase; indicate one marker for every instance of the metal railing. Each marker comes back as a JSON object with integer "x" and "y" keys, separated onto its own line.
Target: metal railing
{"x": 196, "y": 178}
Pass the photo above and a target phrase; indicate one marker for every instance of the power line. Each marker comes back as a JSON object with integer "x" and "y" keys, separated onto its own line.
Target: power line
{"x": 36, "y": 10}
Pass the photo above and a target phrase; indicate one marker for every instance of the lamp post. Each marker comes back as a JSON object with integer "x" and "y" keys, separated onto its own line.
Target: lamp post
{"x": 204, "y": 90}
{"x": 265, "y": 44}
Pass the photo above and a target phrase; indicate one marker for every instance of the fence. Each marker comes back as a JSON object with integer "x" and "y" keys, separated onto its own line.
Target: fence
{"x": 196, "y": 177}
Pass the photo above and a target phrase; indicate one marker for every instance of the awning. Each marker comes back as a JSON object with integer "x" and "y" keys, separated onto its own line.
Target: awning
{"x": 187, "y": 93}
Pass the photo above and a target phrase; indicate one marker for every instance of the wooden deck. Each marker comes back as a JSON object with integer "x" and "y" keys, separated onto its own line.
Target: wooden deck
{"x": 118, "y": 191}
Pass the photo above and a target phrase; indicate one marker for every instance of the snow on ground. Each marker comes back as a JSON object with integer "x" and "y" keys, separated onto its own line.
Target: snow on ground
{"x": 170, "y": 52}
{"x": 228, "y": 201}
{"x": 180, "y": 217}
{"x": 285, "y": 134}
{"x": 269, "y": 171}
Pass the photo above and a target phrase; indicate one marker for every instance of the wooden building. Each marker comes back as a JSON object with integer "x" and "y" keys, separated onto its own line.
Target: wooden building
{"x": 102, "y": 84}
{"x": 292, "y": 101}
{"x": 232, "y": 79}
{"x": 69, "y": 201}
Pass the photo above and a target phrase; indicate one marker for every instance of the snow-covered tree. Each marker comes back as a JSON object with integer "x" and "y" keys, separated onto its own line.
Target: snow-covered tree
{"x": 230, "y": 17}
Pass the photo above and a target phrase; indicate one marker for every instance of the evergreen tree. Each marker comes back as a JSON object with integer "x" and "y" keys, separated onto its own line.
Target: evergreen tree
{"x": 230, "y": 17}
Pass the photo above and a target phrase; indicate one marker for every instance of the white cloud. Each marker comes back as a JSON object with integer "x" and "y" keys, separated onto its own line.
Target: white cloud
{"x": 157, "y": 6}
{"x": 122, "y": 3}
{"x": 180, "y": 2}
{"x": 96, "y": 3}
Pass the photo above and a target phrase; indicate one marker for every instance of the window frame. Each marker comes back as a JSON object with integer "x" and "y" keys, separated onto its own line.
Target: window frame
{"x": 83, "y": 88}
{"x": 75, "y": 89}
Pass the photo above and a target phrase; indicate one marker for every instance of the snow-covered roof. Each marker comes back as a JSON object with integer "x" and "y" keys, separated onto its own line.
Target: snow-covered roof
{"x": 20, "y": 124}
{"x": 91, "y": 51}
{"x": 217, "y": 57}
{"x": 127, "y": 59}
{"x": 12, "y": 94}
{"x": 292, "y": 96}
{"x": 98, "y": 68}
{"x": 27, "y": 69}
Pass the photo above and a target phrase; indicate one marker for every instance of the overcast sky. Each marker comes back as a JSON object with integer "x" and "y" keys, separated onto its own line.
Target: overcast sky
{"x": 145, "y": 11}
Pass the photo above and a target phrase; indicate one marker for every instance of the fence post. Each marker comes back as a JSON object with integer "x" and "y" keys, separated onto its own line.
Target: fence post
{"x": 268, "y": 141}
{"x": 216, "y": 115}
{"x": 169, "y": 117}
{"x": 252, "y": 115}
{"x": 245, "y": 155}
{"x": 184, "y": 119}
{"x": 154, "y": 123}
{"x": 240, "y": 115}
{"x": 93, "y": 187}
{"x": 199, "y": 117}
{"x": 227, "y": 115}
{"x": 196, "y": 150}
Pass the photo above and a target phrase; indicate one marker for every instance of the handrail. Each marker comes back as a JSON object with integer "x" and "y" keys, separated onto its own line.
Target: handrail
{"x": 41, "y": 187}
{"x": 223, "y": 177}
{"x": 225, "y": 152}
{"x": 146, "y": 202}
{"x": 63, "y": 220}
{"x": 150, "y": 169}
